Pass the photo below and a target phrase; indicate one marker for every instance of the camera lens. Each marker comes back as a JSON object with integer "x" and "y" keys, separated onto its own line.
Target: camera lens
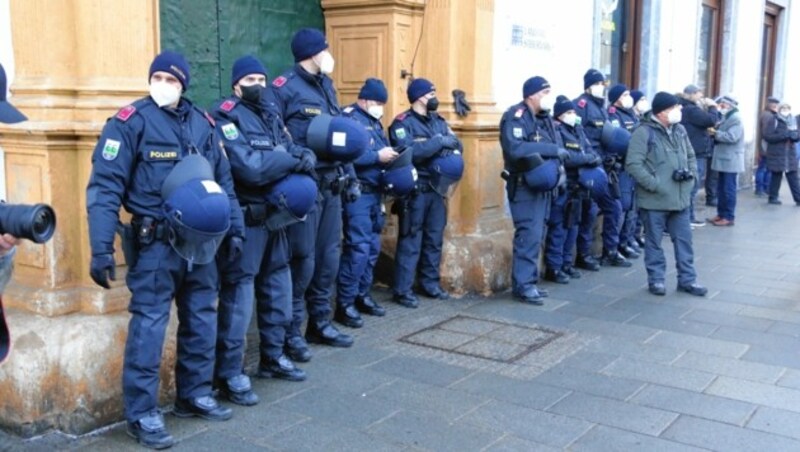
{"x": 33, "y": 222}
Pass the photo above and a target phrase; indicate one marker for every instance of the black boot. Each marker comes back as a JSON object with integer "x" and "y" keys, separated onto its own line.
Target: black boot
{"x": 281, "y": 367}
{"x": 614, "y": 259}
{"x": 587, "y": 262}
{"x": 327, "y": 334}
{"x": 151, "y": 432}
{"x": 349, "y": 316}
{"x": 556, "y": 276}
{"x": 296, "y": 349}
{"x": 366, "y": 305}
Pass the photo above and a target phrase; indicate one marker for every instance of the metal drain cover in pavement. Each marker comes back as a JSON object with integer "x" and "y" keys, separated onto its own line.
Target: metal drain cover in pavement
{"x": 481, "y": 338}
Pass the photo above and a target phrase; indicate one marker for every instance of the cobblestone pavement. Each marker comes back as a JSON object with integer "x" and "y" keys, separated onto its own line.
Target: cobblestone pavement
{"x": 603, "y": 365}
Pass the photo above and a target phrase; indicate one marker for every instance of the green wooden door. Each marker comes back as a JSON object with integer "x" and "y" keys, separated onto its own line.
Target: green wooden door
{"x": 212, "y": 34}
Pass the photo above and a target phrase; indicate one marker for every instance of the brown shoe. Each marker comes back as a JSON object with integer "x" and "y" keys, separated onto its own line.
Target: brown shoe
{"x": 722, "y": 222}
{"x": 712, "y": 220}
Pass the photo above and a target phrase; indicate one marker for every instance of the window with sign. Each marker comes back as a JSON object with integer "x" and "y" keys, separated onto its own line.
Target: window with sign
{"x": 619, "y": 28}
{"x": 709, "y": 51}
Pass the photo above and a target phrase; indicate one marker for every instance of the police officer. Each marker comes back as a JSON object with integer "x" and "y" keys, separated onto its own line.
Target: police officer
{"x": 621, "y": 114}
{"x": 590, "y": 106}
{"x": 261, "y": 154}
{"x": 364, "y": 217}
{"x": 528, "y": 135}
{"x": 178, "y": 221}
{"x": 301, "y": 94}
{"x": 567, "y": 207}
{"x": 423, "y": 215}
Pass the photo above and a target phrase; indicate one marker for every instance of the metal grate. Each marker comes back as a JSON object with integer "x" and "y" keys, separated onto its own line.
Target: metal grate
{"x": 482, "y": 338}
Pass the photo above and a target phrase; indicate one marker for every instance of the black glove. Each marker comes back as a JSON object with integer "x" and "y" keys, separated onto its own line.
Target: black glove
{"x": 307, "y": 163}
{"x": 234, "y": 248}
{"x": 563, "y": 155}
{"x": 450, "y": 142}
{"x": 794, "y": 136}
{"x": 102, "y": 269}
{"x": 352, "y": 192}
{"x": 460, "y": 103}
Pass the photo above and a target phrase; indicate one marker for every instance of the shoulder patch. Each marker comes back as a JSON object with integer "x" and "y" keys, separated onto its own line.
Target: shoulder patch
{"x": 582, "y": 103}
{"x": 111, "y": 149}
{"x": 400, "y": 132}
{"x": 278, "y": 82}
{"x": 612, "y": 110}
{"x": 230, "y": 131}
{"x": 519, "y": 112}
{"x": 517, "y": 132}
{"x": 126, "y": 112}
{"x": 210, "y": 119}
{"x": 227, "y": 105}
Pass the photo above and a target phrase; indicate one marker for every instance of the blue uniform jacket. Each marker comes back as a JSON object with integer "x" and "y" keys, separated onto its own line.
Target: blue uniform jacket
{"x": 624, "y": 117}
{"x": 299, "y": 96}
{"x": 521, "y": 133}
{"x": 368, "y": 167}
{"x": 580, "y": 150}
{"x": 250, "y": 135}
{"x": 137, "y": 150}
{"x": 412, "y": 129}
{"x": 593, "y": 115}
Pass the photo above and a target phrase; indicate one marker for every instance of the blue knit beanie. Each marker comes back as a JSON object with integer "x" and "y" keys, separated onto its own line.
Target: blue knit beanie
{"x": 616, "y": 92}
{"x": 533, "y": 85}
{"x": 374, "y": 89}
{"x": 663, "y": 101}
{"x": 244, "y": 66}
{"x": 308, "y": 42}
{"x": 563, "y": 105}
{"x": 637, "y": 95}
{"x": 418, "y": 88}
{"x": 173, "y": 63}
{"x": 591, "y": 77}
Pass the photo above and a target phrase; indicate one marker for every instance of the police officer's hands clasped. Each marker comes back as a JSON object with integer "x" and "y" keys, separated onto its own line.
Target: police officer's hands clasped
{"x": 352, "y": 192}
{"x": 102, "y": 269}
{"x": 450, "y": 142}
{"x": 387, "y": 154}
{"x": 563, "y": 155}
{"x": 307, "y": 163}
{"x": 234, "y": 248}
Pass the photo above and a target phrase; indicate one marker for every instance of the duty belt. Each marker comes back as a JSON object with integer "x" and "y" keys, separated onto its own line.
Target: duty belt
{"x": 148, "y": 229}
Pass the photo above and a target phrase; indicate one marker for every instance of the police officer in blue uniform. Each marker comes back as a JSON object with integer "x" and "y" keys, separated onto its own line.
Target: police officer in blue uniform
{"x": 261, "y": 154}
{"x": 621, "y": 114}
{"x": 364, "y": 217}
{"x": 171, "y": 245}
{"x": 567, "y": 207}
{"x": 423, "y": 214}
{"x": 532, "y": 148}
{"x": 590, "y": 107}
{"x": 301, "y": 94}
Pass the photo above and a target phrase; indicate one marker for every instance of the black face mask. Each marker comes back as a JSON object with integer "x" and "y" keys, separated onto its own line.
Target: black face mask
{"x": 251, "y": 94}
{"x": 433, "y": 104}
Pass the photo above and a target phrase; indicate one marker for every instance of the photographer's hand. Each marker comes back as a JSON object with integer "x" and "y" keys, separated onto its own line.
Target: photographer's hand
{"x": 7, "y": 243}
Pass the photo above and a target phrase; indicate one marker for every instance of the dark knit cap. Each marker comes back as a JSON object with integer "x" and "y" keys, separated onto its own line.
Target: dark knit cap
{"x": 533, "y": 85}
{"x": 173, "y": 63}
{"x": 616, "y": 92}
{"x": 244, "y": 66}
{"x": 418, "y": 88}
{"x": 591, "y": 77}
{"x": 563, "y": 105}
{"x": 374, "y": 89}
{"x": 663, "y": 101}
{"x": 308, "y": 42}
{"x": 637, "y": 95}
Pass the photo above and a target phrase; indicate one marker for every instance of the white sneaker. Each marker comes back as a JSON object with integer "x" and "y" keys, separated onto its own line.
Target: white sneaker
{"x": 697, "y": 224}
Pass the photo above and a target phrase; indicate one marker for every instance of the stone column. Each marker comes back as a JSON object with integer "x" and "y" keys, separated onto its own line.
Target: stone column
{"x": 76, "y": 63}
{"x": 378, "y": 38}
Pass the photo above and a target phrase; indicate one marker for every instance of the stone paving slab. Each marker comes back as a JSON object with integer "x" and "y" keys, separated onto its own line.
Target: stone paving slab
{"x": 780, "y": 422}
{"x": 730, "y": 367}
{"x": 725, "y": 437}
{"x": 609, "y": 439}
{"x": 659, "y": 373}
{"x": 615, "y": 413}
{"x": 700, "y": 405}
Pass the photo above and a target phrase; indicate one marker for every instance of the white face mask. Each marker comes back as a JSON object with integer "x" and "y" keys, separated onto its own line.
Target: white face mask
{"x": 786, "y": 112}
{"x": 674, "y": 116}
{"x": 376, "y": 111}
{"x": 627, "y": 102}
{"x": 569, "y": 119}
{"x": 597, "y": 91}
{"x": 547, "y": 102}
{"x": 164, "y": 93}
{"x": 325, "y": 62}
{"x": 643, "y": 106}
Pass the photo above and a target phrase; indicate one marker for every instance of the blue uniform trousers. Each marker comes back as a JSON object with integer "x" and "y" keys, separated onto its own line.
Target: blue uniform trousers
{"x": 363, "y": 221}
{"x": 260, "y": 273}
{"x": 560, "y": 239}
{"x": 726, "y": 195}
{"x": 585, "y": 232}
{"x": 676, "y": 223}
{"x": 159, "y": 276}
{"x": 529, "y": 213}
{"x": 421, "y": 249}
{"x": 611, "y": 208}
{"x": 316, "y": 249}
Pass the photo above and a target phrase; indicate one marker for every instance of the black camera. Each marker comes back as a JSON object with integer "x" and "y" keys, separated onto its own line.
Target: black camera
{"x": 36, "y": 223}
{"x": 682, "y": 175}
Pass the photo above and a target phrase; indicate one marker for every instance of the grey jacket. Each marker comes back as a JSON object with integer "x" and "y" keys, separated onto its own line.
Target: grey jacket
{"x": 729, "y": 150}
{"x": 6, "y": 268}
{"x": 654, "y": 153}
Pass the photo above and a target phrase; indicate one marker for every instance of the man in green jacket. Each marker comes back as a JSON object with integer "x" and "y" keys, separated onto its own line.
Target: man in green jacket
{"x": 661, "y": 160}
